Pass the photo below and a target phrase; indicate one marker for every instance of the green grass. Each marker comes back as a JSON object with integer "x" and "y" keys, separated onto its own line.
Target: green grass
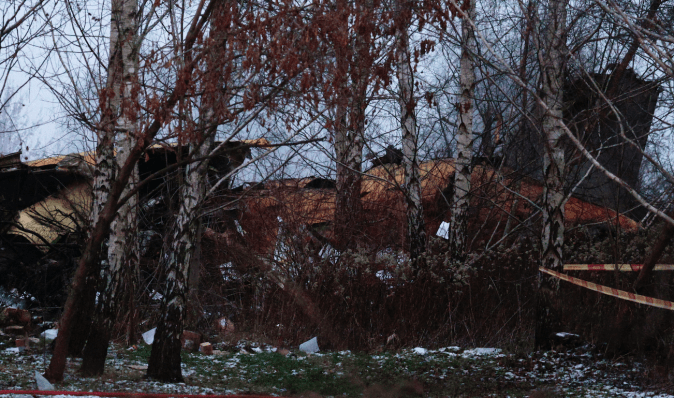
{"x": 339, "y": 374}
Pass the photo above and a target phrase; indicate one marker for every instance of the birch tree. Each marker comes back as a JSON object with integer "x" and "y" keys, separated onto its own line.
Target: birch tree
{"x": 416, "y": 229}
{"x": 164, "y": 362}
{"x": 353, "y": 61}
{"x": 551, "y": 57}
{"x": 91, "y": 255}
{"x": 119, "y": 124}
{"x": 464, "y": 138}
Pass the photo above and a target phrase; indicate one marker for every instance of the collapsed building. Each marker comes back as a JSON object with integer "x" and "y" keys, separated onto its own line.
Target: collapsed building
{"x": 45, "y": 206}
{"x": 306, "y": 206}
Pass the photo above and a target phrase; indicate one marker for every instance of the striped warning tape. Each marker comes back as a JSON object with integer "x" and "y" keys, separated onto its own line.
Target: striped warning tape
{"x": 637, "y": 298}
{"x": 612, "y": 267}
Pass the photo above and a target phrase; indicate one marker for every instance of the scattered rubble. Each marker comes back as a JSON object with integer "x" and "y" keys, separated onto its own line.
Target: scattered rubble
{"x": 14, "y": 316}
{"x": 190, "y": 340}
{"x": 50, "y": 334}
{"x": 454, "y": 371}
{"x": 148, "y": 337}
{"x": 206, "y": 348}
{"x": 16, "y": 330}
{"x": 224, "y": 326}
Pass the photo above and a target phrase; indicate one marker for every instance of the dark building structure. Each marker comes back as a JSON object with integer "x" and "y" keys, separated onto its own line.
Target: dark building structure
{"x": 600, "y": 128}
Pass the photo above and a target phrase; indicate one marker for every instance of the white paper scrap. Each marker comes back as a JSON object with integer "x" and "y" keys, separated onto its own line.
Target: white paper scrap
{"x": 148, "y": 336}
{"x": 50, "y": 334}
{"x": 443, "y": 231}
{"x": 42, "y": 383}
{"x": 310, "y": 346}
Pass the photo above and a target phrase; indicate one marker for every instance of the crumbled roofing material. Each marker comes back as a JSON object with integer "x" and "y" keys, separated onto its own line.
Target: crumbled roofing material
{"x": 54, "y": 216}
{"x": 10, "y": 160}
{"x": 88, "y": 157}
{"x": 61, "y": 206}
{"x": 381, "y": 194}
{"x": 260, "y": 142}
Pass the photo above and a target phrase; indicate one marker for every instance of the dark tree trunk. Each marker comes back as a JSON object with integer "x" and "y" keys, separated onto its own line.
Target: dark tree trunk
{"x": 664, "y": 238}
{"x": 83, "y": 319}
{"x": 95, "y": 351}
{"x": 164, "y": 362}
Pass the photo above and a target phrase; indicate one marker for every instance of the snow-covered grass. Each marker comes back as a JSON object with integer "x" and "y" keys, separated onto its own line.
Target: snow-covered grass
{"x": 450, "y": 371}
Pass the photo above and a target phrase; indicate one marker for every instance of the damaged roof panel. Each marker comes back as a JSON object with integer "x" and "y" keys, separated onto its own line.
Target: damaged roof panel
{"x": 383, "y": 200}
{"x": 63, "y": 212}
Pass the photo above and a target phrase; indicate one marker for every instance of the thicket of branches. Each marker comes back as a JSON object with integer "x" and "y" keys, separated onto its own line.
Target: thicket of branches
{"x": 561, "y": 95}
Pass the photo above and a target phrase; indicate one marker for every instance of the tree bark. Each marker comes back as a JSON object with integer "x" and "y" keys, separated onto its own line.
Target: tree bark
{"x": 164, "y": 362}
{"x": 551, "y": 58}
{"x": 122, "y": 245}
{"x": 92, "y": 252}
{"x": 664, "y": 238}
{"x": 353, "y": 60}
{"x": 416, "y": 228}
{"x": 464, "y": 140}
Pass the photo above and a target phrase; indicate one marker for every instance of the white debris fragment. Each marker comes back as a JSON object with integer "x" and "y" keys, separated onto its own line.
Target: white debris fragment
{"x": 259, "y": 350}
{"x": 420, "y": 350}
{"x": 310, "y": 346}
{"x": 42, "y": 383}
{"x": 148, "y": 336}
{"x": 443, "y": 231}
{"x": 565, "y": 335}
{"x": 384, "y": 275}
{"x": 480, "y": 352}
{"x": 50, "y": 334}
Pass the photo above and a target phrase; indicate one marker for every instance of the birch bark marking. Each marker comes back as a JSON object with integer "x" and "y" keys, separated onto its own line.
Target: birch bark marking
{"x": 89, "y": 260}
{"x": 416, "y": 229}
{"x": 552, "y": 75}
{"x": 464, "y": 139}
{"x": 551, "y": 58}
{"x": 165, "y": 363}
{"x": 122, "y": 255}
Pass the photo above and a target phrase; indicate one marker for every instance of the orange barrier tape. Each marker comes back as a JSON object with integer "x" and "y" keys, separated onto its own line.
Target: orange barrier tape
{"x": 637, "y": 298}
{"x": 612, "y": 267}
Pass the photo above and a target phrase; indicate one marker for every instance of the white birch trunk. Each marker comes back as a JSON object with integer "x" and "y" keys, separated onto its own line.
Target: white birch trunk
{"x": 551, "y": 58}
{"x": 165, "y": 363}
{"x": 122, "y": 244}
{"x": 416, "y": 229}
{"x": 552, "y": 74}
{"x": 464, "y": 140}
